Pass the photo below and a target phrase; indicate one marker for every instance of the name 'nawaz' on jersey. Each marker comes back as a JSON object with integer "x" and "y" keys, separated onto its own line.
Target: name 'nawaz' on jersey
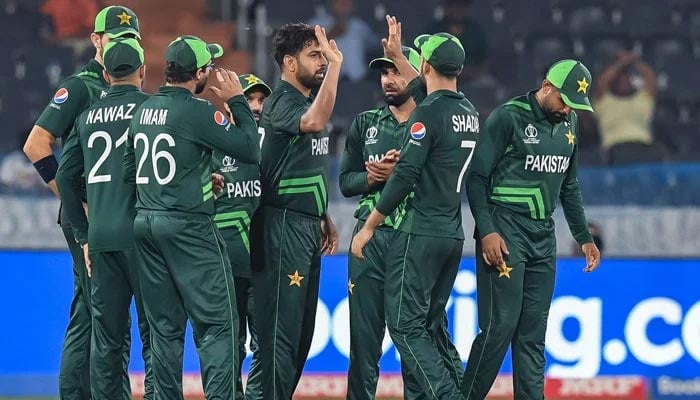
{"x": 547, "y": 163}
{"x": 110, "y": 114}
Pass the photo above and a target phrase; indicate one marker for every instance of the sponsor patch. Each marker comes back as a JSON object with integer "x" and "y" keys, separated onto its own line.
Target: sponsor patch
{"x": 220, "y": 118}
{"x": 61, "y": 96}
{"x": 418, "y": 130}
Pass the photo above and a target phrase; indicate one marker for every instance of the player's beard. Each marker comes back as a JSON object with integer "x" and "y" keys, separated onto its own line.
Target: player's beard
{"x": 308, "y": 79}
{"x": 554, "y": 117}
{"x": 201, "y": 84}
{"x": 397, "y": 99}
{"x": 256, "y": 115}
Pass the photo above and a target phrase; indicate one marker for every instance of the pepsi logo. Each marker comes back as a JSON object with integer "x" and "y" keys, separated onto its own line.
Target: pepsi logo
{"x": 417, "y": 130}
{"x": 61, "y": 96}
{"x": 220, "y": 118}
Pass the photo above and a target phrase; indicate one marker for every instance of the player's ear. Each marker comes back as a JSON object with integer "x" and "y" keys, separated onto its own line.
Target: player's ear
{"x": 290, "y": 63}
{"x": 106, "y": 76}
{"x": 96, "y": 41}
{"x": 142, "y": 72}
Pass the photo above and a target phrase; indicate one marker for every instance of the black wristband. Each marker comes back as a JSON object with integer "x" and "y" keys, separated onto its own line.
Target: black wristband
{"x": 47, "y": 167}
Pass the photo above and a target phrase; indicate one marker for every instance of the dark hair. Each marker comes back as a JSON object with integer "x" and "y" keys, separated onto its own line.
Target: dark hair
{"x": 290, "y": 39}
{"x": 175, "y": 74}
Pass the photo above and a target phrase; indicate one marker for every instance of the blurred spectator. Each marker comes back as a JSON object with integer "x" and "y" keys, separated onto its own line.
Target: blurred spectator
{"x": 354, "y": 36}
{"x": 597, "y": 239}
{"x": 625, "y": 110}
{"x": 71, "y": 18}
{"x": 458, "y": 20}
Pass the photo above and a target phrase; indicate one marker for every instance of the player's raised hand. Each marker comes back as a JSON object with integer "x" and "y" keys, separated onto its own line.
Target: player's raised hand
{"x": 493, "y": 247}
{"x": 590, "y": 250}
{"x": 392, "y": 43}
{"x": 217, "y": 183}
{"x": 359, "y": 241}
{"x": 329, "y": 48}
{"x": 229, "y": 85}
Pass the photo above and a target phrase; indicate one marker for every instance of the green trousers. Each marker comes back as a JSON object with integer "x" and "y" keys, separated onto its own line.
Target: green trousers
{"x": 74, "y": 372}
{"x": 513, "y": 308}
{"x": 114, "y": 283}
{"x": 421, "y": 271}
{"x": 366, "y": 280}
{"x": 286, "y": 266}
{"x": 185, "y": 274}
{"x": 239, "y": 254}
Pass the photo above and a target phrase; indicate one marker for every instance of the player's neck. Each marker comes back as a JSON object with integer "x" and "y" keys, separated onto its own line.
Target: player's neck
{"x": 98, "y": 58}
{"x": 402, "y": 112}
{"x": 191, "y": 85}
{"x": 436, "y": 83}
{"x": 290, "y": 79}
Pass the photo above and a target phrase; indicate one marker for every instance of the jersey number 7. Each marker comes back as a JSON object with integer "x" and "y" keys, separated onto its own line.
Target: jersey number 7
{"x": 466, "y": 144}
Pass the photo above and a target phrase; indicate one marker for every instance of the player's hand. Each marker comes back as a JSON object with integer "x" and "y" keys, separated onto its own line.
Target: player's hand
{"x": 590, "y": 250}
{"x": 229, "y": 85}
{"x": 86, "y": 256}
{"x": 359, "y": 241}
{"x": 329, "y": 236}
{"x": 380, "y": 171}
{"x": 493, "y": 247}
{"x": 391, "y": 156}
{"x": 328, "y": 47}
{"x": 392, "y": 43}
{"x": 217, "y": 183}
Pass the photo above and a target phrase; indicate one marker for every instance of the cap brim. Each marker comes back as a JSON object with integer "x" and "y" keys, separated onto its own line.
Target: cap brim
{"x": 266, "y": 89}
{"x": 378, "y": 63}
{"x": 216, "y": 50}
{"x": 122, "y": 32}
{"x": 581, "y": 103}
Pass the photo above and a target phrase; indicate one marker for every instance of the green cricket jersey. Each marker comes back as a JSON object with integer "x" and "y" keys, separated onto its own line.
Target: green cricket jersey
{"x": 293, "y": 168}
{"x": 443, "y": 130}
{"x": 169, "y": 149}
{"x": 93, "y": 156}
{"x": 74, "y": 95}
{"x": 372, "y": 134}
{"x": 524, "y": 163}
{"x": 241, "y": 195}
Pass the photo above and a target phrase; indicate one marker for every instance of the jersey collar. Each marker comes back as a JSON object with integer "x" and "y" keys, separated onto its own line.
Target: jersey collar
{"x": 174, "y": 90}
{"x": 94, "y": 69}
{"x": 122, "y": 89}
{"x": 537, "y": 111}
{"x": 284, "y": 85}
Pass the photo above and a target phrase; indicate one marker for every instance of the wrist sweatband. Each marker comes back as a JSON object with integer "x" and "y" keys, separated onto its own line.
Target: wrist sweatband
{"x": 47, "y": 167}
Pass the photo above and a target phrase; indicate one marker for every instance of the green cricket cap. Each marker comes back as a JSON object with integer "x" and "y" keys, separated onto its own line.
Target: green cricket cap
{"x": 412, "y": 56}
{"x": 250, "y": 81}
{"x": 443, "y": 51}
{"x": 117, "y": 21}
{"x": 122, "y": 57}
{"x": 191, "y": 52}
{"x": 573, "y": 80}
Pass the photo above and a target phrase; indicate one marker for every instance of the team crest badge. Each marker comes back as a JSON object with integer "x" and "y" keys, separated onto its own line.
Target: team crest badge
{"x": 417, "y": 130}
{"x": 220, "y": 118}
{"x": 61, "y": 96}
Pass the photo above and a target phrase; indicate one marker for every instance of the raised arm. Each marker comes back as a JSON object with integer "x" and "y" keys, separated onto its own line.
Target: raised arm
{"x": 317, "y": 115}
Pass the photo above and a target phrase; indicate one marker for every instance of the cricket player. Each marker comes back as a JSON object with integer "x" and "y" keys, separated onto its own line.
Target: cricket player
{"x": 525, "y": 161}
{"x": 183, "y": 266}
{"x": 96, "y": 146}
{"x": 424, "y": 255}
{"x": 292, "y": 228}
{"x": 234, "y": 209}
{"x": 371, "y": 151}
{"x": 74, "y": 95}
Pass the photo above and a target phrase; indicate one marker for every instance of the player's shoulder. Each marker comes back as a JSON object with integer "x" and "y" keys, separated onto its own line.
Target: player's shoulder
{"x": 519, "y": 105}
{"x": 369, "y": 115}
{"x": 69, "y": 89}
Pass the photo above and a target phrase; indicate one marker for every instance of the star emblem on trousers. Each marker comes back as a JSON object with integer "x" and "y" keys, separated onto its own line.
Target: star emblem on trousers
{"x": 504, "y": 270}
{"x": 295, "y": 279}
{"x": 351, "y": 285}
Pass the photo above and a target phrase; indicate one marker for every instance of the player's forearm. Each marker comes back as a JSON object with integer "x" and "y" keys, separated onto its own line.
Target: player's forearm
{"x": 395, "y": 190}
{"x": 375, "y": 219}
{"x": 69, "y": 186}
{"x": 318, "y": 114}
{"x": 353, "y": 183}
{"x": 478, "y": 195}
{"x": 404, "y": 67}
{"x": 572, "y": 203}
{"x": 38, "y": 149}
